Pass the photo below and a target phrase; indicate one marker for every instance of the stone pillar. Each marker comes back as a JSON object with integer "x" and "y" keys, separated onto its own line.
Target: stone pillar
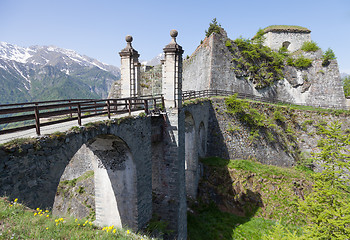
{"x": 172, "y": 73}
{"x": 129, "y": 70}
{"x": 170, "y": 188}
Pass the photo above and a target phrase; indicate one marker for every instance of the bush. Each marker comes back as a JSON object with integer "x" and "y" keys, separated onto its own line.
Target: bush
{"x": 310, "y": 46}
{"x": 283, "y": 51}
{"x": 327, "y": 56}
{"x": 256, "y": 62}
{"x": 346, "y": 83}
{"x": 302, "y": 62}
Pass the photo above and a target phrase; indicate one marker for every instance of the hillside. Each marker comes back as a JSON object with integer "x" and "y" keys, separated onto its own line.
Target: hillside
{"x": 262, "y": 170}
{"x": 243, "y": 199}
{"x": 39, "y": 73}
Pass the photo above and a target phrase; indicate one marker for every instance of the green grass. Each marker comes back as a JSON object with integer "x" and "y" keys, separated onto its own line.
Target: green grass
{"x": 20, "y": 222}
{"x": 285, "y": 28}
{"x": 260, "y": 194}
{"x": 255, "y": 167}
{"x": 208, "y": 222}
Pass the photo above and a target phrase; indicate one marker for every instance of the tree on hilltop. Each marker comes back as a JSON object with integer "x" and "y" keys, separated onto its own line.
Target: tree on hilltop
{"x": 214, "y": 26}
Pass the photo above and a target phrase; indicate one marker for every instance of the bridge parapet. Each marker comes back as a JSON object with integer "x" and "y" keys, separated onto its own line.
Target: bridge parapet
{"x": 40, "y": 114}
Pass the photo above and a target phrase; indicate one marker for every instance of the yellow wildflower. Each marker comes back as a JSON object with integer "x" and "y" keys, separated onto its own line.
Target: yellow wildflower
{"x": 128, "y": 231}
{"x": 35, "y": 214}
{"x": 47, "y": 216}
{"x": 16, "y": 200}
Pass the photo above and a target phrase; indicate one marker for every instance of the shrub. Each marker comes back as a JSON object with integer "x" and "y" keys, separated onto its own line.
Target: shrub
{"x": 327, "y": 56}
{"x": 310, "y": 46}
{"x": 302, "y": 62}
{"x": 283, "y": 51}
{"x": 257, "y": 62}
{"x": 346, "y": 83}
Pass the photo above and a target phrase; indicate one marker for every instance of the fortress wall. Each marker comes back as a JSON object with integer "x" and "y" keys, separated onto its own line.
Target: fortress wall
{"x": 197, "y": 69}
{"x": 326, "y": 85}
{"x": 274, "y": 40}
{"x": 210, "y": 67}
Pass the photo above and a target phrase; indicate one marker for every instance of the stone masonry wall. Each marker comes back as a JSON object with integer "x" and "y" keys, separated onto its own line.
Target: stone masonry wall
{"x": 31, "y": 171}
{"x": 274, "y": 40}
{"x": 210, "y": 67}
{"x": 282, "y": 144}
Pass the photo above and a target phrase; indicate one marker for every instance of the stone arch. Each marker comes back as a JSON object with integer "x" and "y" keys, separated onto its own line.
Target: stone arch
{"x": 202, "y": 140}
{"x": 286, "y": 44}
{"x": 113, "y": 194}
{"x": 191, "y": 156}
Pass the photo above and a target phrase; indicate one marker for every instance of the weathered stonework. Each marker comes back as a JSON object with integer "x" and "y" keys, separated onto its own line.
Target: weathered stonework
{"x": 211, "y": 67}
{"x": 291, "y": 40}
{"x": 129, "y": 70}
{"x": 32, "y": 172}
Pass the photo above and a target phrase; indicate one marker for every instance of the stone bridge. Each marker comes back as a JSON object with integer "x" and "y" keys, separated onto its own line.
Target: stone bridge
{"x": 142, "y": 165}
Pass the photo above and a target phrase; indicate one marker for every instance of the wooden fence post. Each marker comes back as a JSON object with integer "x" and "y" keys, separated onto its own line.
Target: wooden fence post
{"x": 79, "y": 114}
{"x": 109, "y": 109}
{"x": 146, "y": 106}
{"x": 70, "y": 108}
{"x": 37, "y": 119}
{"x": 163, "y": 103}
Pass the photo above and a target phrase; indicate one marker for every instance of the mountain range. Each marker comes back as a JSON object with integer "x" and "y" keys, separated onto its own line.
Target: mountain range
{"x": 39, "y": 73}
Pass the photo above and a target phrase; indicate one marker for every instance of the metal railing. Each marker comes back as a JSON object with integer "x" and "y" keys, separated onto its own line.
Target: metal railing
{"x": 187, "y": 95}
{"x": 72, "y": 109}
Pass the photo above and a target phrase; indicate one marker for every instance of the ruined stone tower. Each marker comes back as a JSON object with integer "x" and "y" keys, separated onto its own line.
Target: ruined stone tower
{"x": 290, "y": 37}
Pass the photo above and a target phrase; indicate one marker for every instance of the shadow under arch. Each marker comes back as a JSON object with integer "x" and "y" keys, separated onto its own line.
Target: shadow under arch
{"x": 114, "y": 180}
{"x": 191, "y": 157}
{"x": 202, "y": 140}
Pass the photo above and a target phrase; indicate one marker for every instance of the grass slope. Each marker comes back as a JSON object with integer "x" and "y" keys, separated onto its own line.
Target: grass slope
{"x": 20, "y": 222}
{"x": 243, "y": 199}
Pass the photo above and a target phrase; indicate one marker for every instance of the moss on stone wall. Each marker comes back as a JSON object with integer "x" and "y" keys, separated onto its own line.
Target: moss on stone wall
{"x": 272, "y": 134}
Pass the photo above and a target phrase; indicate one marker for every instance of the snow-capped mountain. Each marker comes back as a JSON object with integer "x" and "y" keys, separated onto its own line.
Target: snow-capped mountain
{"x": 48, "y": 72}
{"x": 154, "y": 61}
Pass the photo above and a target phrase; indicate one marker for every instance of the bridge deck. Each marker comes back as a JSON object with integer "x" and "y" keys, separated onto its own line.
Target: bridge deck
{"x": 61, "y": 127}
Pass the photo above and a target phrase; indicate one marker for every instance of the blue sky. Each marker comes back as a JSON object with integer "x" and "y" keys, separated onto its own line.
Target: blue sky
{"x": 97, "y": 28}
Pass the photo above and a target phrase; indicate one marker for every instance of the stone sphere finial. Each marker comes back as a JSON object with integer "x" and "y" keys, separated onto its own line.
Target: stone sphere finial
{"x": 173, "y": 33}
{"x": 128, "y": 38}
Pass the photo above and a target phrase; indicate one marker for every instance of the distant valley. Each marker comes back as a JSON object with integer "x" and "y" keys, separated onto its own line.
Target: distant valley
{"x": 39, "y": 73}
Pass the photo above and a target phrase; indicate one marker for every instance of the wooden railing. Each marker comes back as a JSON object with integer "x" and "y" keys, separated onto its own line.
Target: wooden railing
{"x": 187, "y": 95}
{"x": 37, "y": 113}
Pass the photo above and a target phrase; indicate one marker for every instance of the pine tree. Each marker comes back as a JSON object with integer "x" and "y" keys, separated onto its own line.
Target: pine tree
{"x": 214, "y": 26}
{"x": 327, "y": 207}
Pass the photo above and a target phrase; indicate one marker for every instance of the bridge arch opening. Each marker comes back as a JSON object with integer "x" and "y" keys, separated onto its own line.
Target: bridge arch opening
{"x": 100, "y": 182}
{"x": 191, "y": 156}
